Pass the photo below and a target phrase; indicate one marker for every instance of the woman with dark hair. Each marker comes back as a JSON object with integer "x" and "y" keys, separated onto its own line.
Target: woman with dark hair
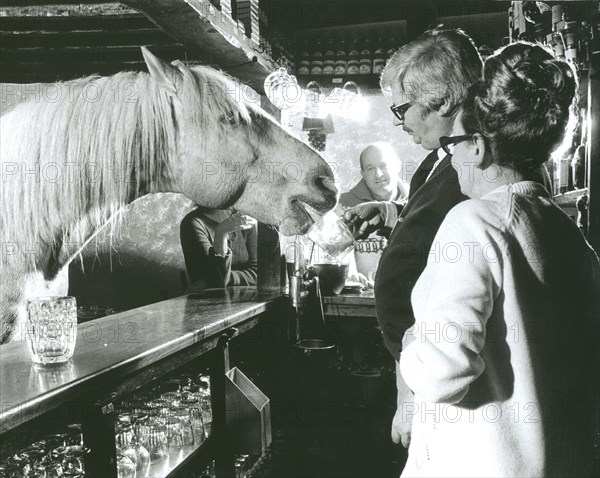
{"x": 502, "y": 358}
{"x": 219, "y": 247}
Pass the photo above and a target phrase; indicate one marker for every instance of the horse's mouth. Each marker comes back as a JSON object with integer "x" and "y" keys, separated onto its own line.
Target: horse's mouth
{"x": 301, "y": 210}
{"x": 302, "y": 214}
{"x": 305, "y": 213}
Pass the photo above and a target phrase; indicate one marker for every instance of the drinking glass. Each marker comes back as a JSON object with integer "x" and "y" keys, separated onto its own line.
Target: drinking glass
{"x": 203, "y": 396}
{"x": 45, "y": 469}
{"x": 73, "y": 459}
{"x": 142, "y": 455}
{"x": 125, "y": 467}
{"x": 192, "y": 406}
{"x": 153, "y": 435}
{"x": 173, "y": 398}
{"x": 174, "y": 435}
{"x": 206, "y": 412}
{"x": 183, "y": 415}
{"x": 332, "y": 236}
{"x": 51, "y": 328}
{"x": 197, "y": 424}
{"x": 128, "y": 451}
{"x": 27, "y": 462}
{"x": 161, "y": 407}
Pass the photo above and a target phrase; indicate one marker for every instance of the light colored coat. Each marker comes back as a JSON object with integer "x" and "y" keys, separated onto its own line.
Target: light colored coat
{"x": 503, "y": 354}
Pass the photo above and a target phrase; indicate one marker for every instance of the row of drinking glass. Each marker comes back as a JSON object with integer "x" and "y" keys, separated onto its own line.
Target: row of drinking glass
{"x": 54, "y": 456}
{"x": 153, "y": 424}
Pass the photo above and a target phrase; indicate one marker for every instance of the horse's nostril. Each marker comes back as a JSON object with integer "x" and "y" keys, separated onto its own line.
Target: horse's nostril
{"x": 326, "y": 182}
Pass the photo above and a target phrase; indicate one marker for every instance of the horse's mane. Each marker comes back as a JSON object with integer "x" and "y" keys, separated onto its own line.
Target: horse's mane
{"x": 94, "y": 146}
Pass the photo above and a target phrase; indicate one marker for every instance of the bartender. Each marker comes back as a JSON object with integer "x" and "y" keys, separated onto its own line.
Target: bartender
{"x": 448, "y": 63}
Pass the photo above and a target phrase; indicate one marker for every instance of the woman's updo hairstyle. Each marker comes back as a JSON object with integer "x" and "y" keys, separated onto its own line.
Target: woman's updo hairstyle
{"x": 522, "y": 105}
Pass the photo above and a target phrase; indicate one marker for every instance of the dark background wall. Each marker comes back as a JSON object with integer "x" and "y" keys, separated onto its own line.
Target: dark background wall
{"x": 139, "y": 262}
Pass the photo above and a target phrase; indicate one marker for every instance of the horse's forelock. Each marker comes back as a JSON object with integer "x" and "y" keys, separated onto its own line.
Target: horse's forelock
{"x": 219, "y": 95}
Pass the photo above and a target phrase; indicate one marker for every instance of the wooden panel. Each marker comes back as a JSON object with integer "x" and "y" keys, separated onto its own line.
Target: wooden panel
{"x": 45, "y": 3}
{"x": 65, "y": 40}
{"x": 271, "y": 265}
{"x": 350, "y": 305}
{"x": 209, "y": 33}
{"x": 84, "y": 39}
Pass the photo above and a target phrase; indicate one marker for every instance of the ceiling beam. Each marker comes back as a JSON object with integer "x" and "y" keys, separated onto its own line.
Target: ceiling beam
{"x": 210, "y": 34}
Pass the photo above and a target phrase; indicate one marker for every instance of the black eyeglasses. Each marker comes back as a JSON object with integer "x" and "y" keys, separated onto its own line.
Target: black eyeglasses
{"x": 447, "y": 141}
{"x": 400, "y": 110}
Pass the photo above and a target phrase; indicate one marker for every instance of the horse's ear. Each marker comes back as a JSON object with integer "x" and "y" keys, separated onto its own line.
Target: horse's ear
{"x": 162, "y": 72}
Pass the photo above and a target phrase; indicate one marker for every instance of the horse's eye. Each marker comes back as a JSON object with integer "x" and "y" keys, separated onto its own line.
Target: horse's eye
{"x": 230, "y": 119}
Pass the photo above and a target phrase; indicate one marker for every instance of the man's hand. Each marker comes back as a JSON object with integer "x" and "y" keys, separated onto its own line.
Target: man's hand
{"x": 402, "y": 425}
{"x": 358, "y": 277}
{"x": 366, "y": 218}
{"x": 405, "y": 409}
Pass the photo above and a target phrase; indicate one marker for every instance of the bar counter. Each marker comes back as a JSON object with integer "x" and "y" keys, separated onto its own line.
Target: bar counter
{"x": 350, "y": 305}
{"x": 112, "y": 348}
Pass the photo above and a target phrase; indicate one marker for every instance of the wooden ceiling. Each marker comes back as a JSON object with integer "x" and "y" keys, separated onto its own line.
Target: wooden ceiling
{"x": 49, "y": 40}
{"x": 44, "y": 43}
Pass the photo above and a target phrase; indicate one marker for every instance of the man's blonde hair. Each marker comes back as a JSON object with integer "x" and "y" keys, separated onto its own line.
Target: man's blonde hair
{"x": 436, "y": 68}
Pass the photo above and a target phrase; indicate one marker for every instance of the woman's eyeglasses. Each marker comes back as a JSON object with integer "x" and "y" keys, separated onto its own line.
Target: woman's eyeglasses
{"x": 400, "y": 110}
{"x": 447, "y": 141}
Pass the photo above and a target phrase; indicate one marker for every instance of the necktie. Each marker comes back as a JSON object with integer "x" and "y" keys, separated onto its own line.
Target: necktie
{"x": 422, "y": 172}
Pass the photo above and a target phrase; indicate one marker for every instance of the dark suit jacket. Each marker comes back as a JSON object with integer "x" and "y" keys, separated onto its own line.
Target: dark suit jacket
{"x": 405, "y": 257}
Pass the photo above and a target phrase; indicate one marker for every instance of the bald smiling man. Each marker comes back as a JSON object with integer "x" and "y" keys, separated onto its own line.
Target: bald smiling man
{"x": 380, "y": 169}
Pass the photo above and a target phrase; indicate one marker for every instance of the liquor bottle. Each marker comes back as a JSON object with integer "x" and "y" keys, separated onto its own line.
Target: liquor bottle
{"x": 304, "y": 62}
{"x": 379, "y": 56}
{"x": 316, "y": 64}
{"x": 366, "y": 61}
{"x": 353, "y": 58}
{"x": 329, "y": 58}
{"x": 341, "y": 62}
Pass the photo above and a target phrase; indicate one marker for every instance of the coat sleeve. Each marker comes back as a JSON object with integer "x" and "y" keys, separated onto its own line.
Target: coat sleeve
{"x": 247, "y": 274}
{"x": 452, "y": 301}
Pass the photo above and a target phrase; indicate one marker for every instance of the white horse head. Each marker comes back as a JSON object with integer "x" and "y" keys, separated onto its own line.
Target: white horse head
{"x": 76, "y": 153}
{"x": 230, "y": 152}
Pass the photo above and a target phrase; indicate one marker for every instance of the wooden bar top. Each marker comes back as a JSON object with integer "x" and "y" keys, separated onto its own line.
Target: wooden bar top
{"x": 350, "y": 305}
{"x": 119, "y": 345}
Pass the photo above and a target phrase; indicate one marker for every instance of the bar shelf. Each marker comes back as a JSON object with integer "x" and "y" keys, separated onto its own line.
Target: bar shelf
{"x": 119, "y": 354}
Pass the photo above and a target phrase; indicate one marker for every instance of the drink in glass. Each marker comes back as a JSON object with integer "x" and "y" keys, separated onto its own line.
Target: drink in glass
{"x": 333, "y": 237}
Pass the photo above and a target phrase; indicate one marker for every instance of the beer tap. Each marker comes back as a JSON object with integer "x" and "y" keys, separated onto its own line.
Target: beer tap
{"x": 305, "y": 295}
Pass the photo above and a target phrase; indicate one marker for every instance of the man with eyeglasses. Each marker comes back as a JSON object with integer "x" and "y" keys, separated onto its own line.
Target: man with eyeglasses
{"x": 428, "y": 79}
